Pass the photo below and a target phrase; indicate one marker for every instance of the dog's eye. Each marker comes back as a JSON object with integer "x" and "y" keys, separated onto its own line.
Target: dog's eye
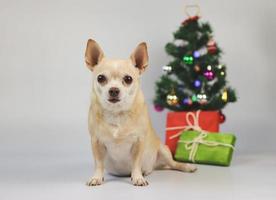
{"x": 128, "y": 79}
{"x": 101, "y": 78}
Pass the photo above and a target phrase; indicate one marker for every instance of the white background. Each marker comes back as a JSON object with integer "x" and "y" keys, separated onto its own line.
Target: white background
{"x": 45, "y": 86}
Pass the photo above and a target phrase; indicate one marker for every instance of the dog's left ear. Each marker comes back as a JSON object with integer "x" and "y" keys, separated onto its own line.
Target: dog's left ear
{"x": 140, "y": 57}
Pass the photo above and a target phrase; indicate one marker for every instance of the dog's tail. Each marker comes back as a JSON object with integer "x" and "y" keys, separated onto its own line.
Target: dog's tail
{"x": 166, "y": 161}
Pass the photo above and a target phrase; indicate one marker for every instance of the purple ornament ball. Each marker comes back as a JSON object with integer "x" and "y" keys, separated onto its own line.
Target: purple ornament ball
{"x": 158, "y": 108}
{"x": 196, "y": 54}
{"x": 187, "y": 101}
{"x": 209, "y": 75}
{"x": 197, "y": 83}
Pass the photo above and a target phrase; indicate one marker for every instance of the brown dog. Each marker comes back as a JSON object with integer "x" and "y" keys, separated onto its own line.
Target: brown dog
{"x": 123, "y": 139}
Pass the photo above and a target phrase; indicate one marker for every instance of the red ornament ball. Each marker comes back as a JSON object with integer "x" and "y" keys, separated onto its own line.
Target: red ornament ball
{"x": 212, "y": 46}
{"x": 158, "y": 108}
{"x": 212, "y": 49}
{"x": 222, "y": 117}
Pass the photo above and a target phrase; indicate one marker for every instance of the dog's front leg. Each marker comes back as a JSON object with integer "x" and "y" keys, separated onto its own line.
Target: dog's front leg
{"x": 99, "y": 151}
{"x": 136, "y": 173}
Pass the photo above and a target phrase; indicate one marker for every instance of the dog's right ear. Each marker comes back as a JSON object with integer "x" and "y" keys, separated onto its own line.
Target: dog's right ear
{"x": 93, "y": 54}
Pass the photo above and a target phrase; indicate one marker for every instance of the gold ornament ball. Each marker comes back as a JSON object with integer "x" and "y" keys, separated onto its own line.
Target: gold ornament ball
{"x": 197, "y": 68}
{"x": 172, "y": 99}
{"x": 224, "y": 96}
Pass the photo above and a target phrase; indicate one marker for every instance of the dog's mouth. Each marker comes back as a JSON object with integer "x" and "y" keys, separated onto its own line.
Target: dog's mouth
{"x": 113, "y": 100}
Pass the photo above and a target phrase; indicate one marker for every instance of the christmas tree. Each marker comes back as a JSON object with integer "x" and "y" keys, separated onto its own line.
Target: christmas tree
{"x": 195, "y": 79}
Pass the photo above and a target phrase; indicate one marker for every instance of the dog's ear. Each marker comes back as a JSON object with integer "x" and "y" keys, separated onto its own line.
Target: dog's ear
{"x": 93, "y": 54}
{"x": 140, "y": 57}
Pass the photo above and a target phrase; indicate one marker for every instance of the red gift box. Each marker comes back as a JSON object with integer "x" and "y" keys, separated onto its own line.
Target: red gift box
{"x": 178, "y": 121}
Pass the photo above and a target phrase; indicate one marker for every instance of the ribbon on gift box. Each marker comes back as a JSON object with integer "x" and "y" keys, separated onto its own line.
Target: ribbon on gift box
{"x": 191, "y": 125}
{"x": 192, "y": 145}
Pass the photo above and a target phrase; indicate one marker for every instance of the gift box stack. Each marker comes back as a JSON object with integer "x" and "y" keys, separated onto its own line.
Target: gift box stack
{"x": 195, "y": 137}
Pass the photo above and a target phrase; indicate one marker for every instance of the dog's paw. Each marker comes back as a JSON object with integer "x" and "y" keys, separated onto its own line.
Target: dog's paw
{"x": 190, "y": 168}
{"x": 139, "y": 181}
{"x": 95, "y": 181}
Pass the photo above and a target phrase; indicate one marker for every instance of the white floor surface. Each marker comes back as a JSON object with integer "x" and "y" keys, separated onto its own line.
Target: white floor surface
{"x": 249, "y": 177}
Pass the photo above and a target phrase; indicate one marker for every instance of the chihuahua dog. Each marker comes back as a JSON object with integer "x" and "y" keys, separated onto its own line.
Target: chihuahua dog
{"x": 122, "y": 137}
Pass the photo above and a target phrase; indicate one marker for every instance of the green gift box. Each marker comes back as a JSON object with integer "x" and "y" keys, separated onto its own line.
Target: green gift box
{"x": 204, "y": 148}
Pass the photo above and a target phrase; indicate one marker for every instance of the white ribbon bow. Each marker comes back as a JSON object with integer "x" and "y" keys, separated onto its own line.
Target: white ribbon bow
{"x": 194, "y": 124}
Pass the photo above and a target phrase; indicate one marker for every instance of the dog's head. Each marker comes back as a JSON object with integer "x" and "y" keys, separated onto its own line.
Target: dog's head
{"x": 115, "y": 82}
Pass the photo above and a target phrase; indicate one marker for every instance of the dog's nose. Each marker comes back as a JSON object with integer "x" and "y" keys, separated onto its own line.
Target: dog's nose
{"x": 114, "y": 92}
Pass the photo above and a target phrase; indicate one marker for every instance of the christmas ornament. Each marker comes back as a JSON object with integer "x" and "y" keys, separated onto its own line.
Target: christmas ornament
{"x": 197, "y": 83}
{"x": 194, "y": 98}
{"x": 224, "y": 96}
{"x": 187, "y": 101}
{"x": 221, "y": 70}
{"x": 222, "y": 117}
{"x": 212, "y": 50}
{"x": 167, "y": 69}
{"x": 200, "y": 52}
{"x": 188, "y": 60}
{"x": 197, "y": 68}
{"x": 203, "y": 51}
{"x": 196, "y": 54}
{"x": 158, "y": 108}
{"x": 209, "y": 67}
{"x": 172, "y": 99}
{"x": 209, "y": 75}
{"x": 202, "y": 98}
{"x": 211, "y": 46}
{"x": 220, "y": 66}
